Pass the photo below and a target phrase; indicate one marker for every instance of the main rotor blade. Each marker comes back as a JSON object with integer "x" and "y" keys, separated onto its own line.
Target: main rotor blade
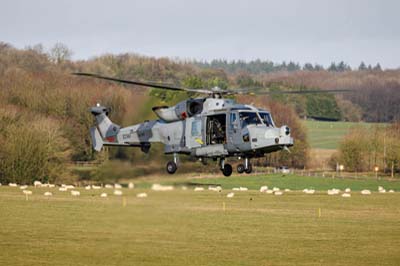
{"x": 301, "y": 92}
{"x": 145, "y": 84}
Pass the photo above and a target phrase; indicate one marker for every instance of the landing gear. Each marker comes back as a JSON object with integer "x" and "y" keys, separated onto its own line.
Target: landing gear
{"x": 246, "y": 167}
{"x": 227, "y": 171}
{"x": 225, "y": 168}
{"x": 172, "y": 166}
{"x": 241, "y": 168}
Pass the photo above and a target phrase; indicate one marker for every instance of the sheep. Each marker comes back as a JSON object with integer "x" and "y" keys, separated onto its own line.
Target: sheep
{"x": 37, "y": 183}
{"x": 230, "y": 195}
{"x": 275, "y": 189}
{"x": 347, "y": 190}
{"x": 269, "y": 191}
{"x": 118, "y": 186}
{"x": 382, "y": 191}
{"x": 380, "y": 188}
{"x": 0, "y": 184}
{"x": 346, "y": 195}
{"x": 391, "y": 191}
{"x": 243, "y": 189}
{"x": 12, "y": 184}
{"x": 131, "y": 185}
{"x": 184, "y": 187}
{"x": 278, "y": 193}
{"x": 75, "y": 193}
{"x": 109, "y": 186}
{"x": 103, "y": 195}
{"x": 263, "y": 188}
{"x": 23, "y": 187}
{"x": 235, "y": 189}
{"x": 309, "y": 191}
{"x": 365, "y": 192}
{"x": 48, "y": 194}
{"x": 117, "y": 192}
{"x": 88, "y": 187}
{"x": 198, "y": 189}
{"x": 63, "y": 189}
{"x": 69, "y": 186}
{"x": 158, "y": 187}
{"x": 287, "y": 190}
{"x": 96, "y": 187}
{"x": 141, "y": 195}
{"x": 217, "y": 188}
{"x": 27, "y": 192}
{"x": 332, "y": 192}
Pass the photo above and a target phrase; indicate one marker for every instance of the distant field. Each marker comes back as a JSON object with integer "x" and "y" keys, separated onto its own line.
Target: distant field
{"x": 327, "y": 135}
{"x": 203, "y": 228}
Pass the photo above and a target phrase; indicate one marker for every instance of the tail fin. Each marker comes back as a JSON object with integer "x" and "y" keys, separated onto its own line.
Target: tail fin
{"x": 105, "y": 128}
{"x": 97, "y": 142}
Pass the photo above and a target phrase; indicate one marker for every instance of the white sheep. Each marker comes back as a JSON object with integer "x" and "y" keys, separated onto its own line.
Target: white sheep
{"x": 96, "y": 187}
{"x": 278, "y": 193}
{"x": 382, "y": 191}
{"x": 141, "y": 195}
{"x": 276, "y": 189}
{"x": 158, "y": 187}
{"x": 184, "y": 187}
{"x": 70, "y": 186}
{"x": 346, "y": 195}
{"x": 75, "y": 193}
{"x": 347, "y": 190}
{"x": 243, "y": 188}
{"x": 198, "y": 189}
{"x": 103, "y": 195}
{"x": 263, "y": 188}
{"x": 63, "y": 189}
{"x": 131, "y": 185}
{"x": 287, "y": 190}
{"x": 391, "y": 191}
{"x": 309, "y": 191}
{"x": 37, "y": 183}
{"x": 235, "y": 189}
{"x": 117, "y": 192}
{"x": 269, "y": 191}
{"x": 12, "y": 184}
{"x": 365, "y": 192}
{"x": 27, "y": 192}
{"x": 230, "y": 195}
{"x": 332, "y": 192}
{"x": 118, "y": 186}
{"x": 48, "y": 194}
{"x": 88, "y": 187}
{"x": 109, "y": 186}
{"x": 23, "y": 187}
{"x": 217, "y": 188}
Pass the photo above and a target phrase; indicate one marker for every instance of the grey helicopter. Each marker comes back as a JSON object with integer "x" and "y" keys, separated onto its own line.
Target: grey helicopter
{"x": 211, "y": 127}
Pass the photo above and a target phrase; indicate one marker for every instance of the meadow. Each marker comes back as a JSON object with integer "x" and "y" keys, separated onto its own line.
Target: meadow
{"x": 327, "y": 135}
{"x": 183, "y": 227}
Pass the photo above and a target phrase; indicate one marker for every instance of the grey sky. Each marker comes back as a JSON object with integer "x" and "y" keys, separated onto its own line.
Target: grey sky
{"x": 279, "y": 30}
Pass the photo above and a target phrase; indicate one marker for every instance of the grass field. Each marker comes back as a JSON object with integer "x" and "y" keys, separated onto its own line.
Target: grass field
{"x": 327, "y": 135}
{"x": 192, "y": 228}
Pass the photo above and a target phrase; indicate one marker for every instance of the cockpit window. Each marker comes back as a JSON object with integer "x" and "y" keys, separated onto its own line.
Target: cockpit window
{"x": 249, "y": 118}
{"x": 266, "y": 118}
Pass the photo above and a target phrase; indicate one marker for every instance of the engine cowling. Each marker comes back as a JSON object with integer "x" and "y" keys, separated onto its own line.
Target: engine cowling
{"x": 179, "y": 111}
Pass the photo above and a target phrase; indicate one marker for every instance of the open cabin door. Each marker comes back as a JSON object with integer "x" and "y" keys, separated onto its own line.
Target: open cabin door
{"x": 194, "y": 136}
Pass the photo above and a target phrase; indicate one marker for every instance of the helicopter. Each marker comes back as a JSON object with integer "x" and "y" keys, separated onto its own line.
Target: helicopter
{"x": 210, "y": 127}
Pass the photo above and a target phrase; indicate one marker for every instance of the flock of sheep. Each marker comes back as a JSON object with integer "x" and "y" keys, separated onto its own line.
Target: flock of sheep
{"x": 157, "y": 187}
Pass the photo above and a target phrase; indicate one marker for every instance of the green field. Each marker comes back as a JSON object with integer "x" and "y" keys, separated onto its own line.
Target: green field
{"x": 327, "y": 135}
{"x": 192, "y": 228}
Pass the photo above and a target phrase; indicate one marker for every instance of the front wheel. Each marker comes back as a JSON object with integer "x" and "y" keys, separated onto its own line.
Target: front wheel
{"x": 240, "y": 168}
{"x": 227, "y": 171}
{"x": 171, "y": 167}
{"x": 249, "y": 169}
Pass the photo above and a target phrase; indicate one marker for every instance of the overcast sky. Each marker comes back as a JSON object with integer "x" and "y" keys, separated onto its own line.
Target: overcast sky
{"x": 316, "y": 31}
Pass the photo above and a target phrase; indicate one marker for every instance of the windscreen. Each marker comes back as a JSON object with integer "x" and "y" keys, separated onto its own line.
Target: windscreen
{"x": 266, "y": 118}
{"x": 249, "y": 118}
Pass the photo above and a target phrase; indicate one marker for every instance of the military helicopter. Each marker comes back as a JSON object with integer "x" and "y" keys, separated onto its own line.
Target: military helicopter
{"x": 210, "y": 127}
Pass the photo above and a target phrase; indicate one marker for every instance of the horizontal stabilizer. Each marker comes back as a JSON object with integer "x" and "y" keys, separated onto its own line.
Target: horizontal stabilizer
{"x": 97, "y": 141}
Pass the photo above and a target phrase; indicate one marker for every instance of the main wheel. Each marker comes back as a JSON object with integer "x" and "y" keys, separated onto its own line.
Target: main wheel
{"x": 240, "y": 168}
{"x": 249, "y": 169}
{"x": 227, "y": 171}
{"x": 171, "y": 167}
